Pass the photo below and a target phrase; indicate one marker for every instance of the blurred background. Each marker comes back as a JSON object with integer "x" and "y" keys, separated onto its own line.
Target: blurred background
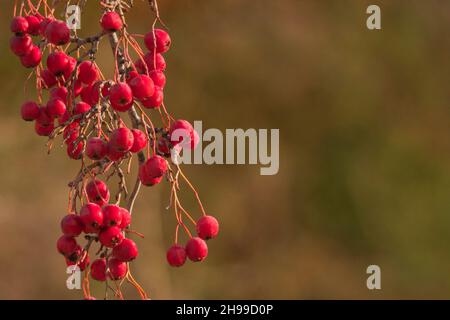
{"x": 364, "y": 175}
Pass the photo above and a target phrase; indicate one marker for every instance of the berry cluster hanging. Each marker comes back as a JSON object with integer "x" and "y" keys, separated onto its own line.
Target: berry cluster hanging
{"x": 90, "y": 114}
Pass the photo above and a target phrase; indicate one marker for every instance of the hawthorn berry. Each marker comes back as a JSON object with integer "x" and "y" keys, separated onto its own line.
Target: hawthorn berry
{"x": 160, "y": 38}
{"x": 92, "y": 217}
{"x": 57, "y": 63}
{"x": 154, "y": 62}
{"x": 87, "y": 72}
{"x": 43, "y": 25}
{"x": 158, "y": 77}
{"x": 75, "y": 150}
{"x": 163, "y": 146}
{"x": 96, "y": 148}
{"x": 176, "y": 256}
{"x": 71, "y": 133}
{"x": 126, "y": 250}
{"x": 82, "y": 264}
{"x": 112, "y": 215}
{"x": 126, "y": 218}
{"x": 21, "y": 45}
{"x": 121, "y": 139}
{"x": 32, "y": 58}
{"x": 60, "y": 93}
{"x": 57, "y": 32}
{"x": 207, "y": 227}
{"x": 81, "y": 107}
{"x": 111, "y": 21}
{"x": 30, "y": 111}
{"x": 117, "y": 269}
{"x": 71, "y": 225}
{"x": 48, "y": 78}
{"x": 196, "y": 249}
{"x": 56, "y": 108}
{"x": 97, "y": 192}
{"x": 72, "y": 64}
{"x": 43, "y": 129}
{"x": 19, "y": 25}
{"x": 112, "y": 154}
{"x": 33, "y": 24}
{"x": 140, "y": 140}
{"x": 153, "y": 169}
{"x": 142, "y": 87}
{"x": 110, "y": 236}
{"x": 66, "y": 245}
{"x": 121, "y": 96}
{"x": 98, "y": 269}
{"x": 155, "y": 100}
{"x": 131, "y": 75}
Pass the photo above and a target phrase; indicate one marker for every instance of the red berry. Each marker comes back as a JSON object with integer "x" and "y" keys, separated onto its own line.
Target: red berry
{"x": 131, "y": 75}
{"x": 158, "y": 77}
{"x": 117, "y": 269}
{"x": 207, "y": 227}
{"x": 57, "y": 32}
{"x": 77, "y": 88}
{"x": 71, "y": 133}
{"x": 81, "y": 107}
{"x": 33, "y": 24}
{"x": 163, "y": 146}
{"x": 112, "y": 154}
{"x": 142, "y": 87}
{"x": 110, "y": 236}
{"x": 162, "y": 41}
{"x": 111, "y": 21}
{"x": 154, "y": 62}
{"x": 32, "y": 58}
{"x": 112, "y": 215}
{"x": 92, "y": 217}
{"x": 96, "y": 148}
{"x": 90, "y": 95}
{"x": 57, "y": 63}
{"x": 56, "y": 108}
{"x": 126, "y": 218}
{"x": 21, "y": 45}
{"x": 121, "y": 96}
{"x": 60, "y": 93}
{"x": 125, "y": 251}
{"x": 87, "y": 72}
{"x": 97, "y": 192}
{"x": 19, "y": 25}
{"x": 176, "y": 256}
{"x": 121, "y": 139}
{"x": 70, "y": 67}
{"x": 139, "y": 141}
{"x": 66, "y": 245}
{"x": 75, "y": 258}
{"x": 30, "y": 111}
{"x": 71, "y": 225}
{"x": 182, "y": 128}
{"x": 75, "y": 150}
{"x": 155, "y": 167}
{"x": 43, "y": 130}
{"x": 155, "y": 100}
{"x": 98, "y": 269}
{"x": 196, "y": 249}
{"x": 48, "y": 78}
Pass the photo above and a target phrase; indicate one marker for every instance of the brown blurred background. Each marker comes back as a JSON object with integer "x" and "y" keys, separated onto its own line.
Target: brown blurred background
{"x": 365, "y": 157}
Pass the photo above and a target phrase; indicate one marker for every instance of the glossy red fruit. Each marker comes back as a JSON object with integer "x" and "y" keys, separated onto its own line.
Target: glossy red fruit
{"x": 183, "y": 130}
{"x": 71, "y": 132}
{"x": 48, "y": 79}
{"x": 57, "y": 63}
{"x": 87, "y": 72}
{"x": 43, "y": 129}
{"x": 114, "y": 155}
{"x": 33, "y": 25}
{"x": 70, "y": 67}
{"x": 131, "y": 75}
{"x": 30, "y": 111}
{"x": 126, "y": 218}
{"x": 98, "y": 192}
{"x": 121, "y": 96}
{"x": 155, "y": 101}
{"x": 140, "y": 140}
{"x": 110, "y": 236}
{"x": 19, "y": 25}
{"x": 207, "y": 227}
{"x": 92, "y": 217}
{"x": 142, "y": 87}
{"x": 96, "y": 148}
{"x": 154, "y": 62}
{"x": 98, "y": 269}
{"x": 21, "y": 45}
{"x": 75, "y": 150}
{"x": 77, "y": 88}
{"x": 56, "y": 108}
{"x": 66, "y": 245}
{"x": 117, "y": 269}
{"x": 196, "y": 249}
{"x": 158, "y": 77}
{"x": 73, "y": 259}
{"x": 71, "y": 225}
{"x": 161, "y": 39}
{"x": 90, "y": 94}
{"x": 57, "y": 32}
{"x": 81, "y": 107}
{"x": 153, "y": 169}
{"x": 43, "y": 25}
{"x": 32, "y": 58}
{"x": 121, "y": 139}
{"x": 125, "y": 251}
{"x": 60, "y": 93}
{"x": 111, "y": 22}
{"x": 112, "y": 215}
{"x": 176, "y": 256}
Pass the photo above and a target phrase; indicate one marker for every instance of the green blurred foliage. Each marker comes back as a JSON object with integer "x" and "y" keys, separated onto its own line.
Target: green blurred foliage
{"x": 364, "y": 175}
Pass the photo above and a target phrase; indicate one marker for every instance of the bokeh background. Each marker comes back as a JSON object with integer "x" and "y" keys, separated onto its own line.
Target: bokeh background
{"x": 364, "y": 177}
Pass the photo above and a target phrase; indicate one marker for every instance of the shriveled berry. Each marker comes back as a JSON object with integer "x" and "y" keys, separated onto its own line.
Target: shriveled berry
{"x": 57, "y": 32}
{"x": 176, "y": 256}
{"x": 126, "y": 250}
{"x": 98, "y": 269}
{"x": 121, "y": 139}
{"x": 57, "y": 63}
{"x": 56, "y": 108}
{"x": 140, "y": 140}
{"x": 110, "y": 236}
{"x": 121, "y": 96}
{"x": 21, "y": 45}
{"x": 111, "y": 21}
{"x": 71, "y": 225}
{"x": 126, "y": 218}
{"x": 92, "y": 217}
{"x": 196, "y": 249}
{"x": 207, "y": 227}
{"x": 163, "y": 146}
{"x": 142, "y": 87}
{"x": 19, "y": 25}
{"x": 160, "y": 38}
{"x": 87, "y": 72}
{"x": 32, "y": 58}
{"x": 112, "y": 215}
{"x": 156, "y": 100}
{"x": 98, "y": 192}
{"x": 66, "y": 245}
{"x": 96, "y": 148}
{"x": 117, "y": 269}
{"x": 30, "y": 111}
